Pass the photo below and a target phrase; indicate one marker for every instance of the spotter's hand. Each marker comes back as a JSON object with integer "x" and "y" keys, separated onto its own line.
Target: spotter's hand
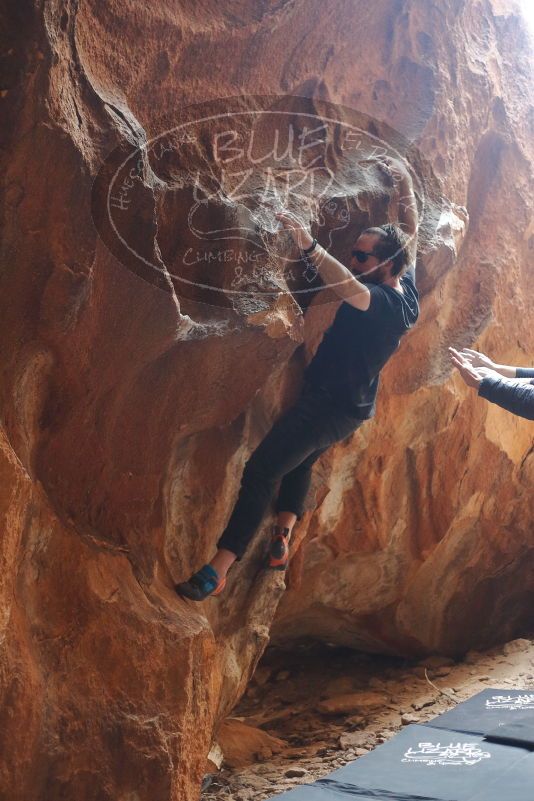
{"x": 473, "y": 376}
{"x": 477, "y": 359}
{"x": 301, "y": 236}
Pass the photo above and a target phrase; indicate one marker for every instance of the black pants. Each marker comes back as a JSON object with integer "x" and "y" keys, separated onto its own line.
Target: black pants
{"x": 288, "y": 452}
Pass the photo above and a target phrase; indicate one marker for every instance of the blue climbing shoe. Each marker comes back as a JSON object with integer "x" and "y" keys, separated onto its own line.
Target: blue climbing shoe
{"x": 204, "y": 582}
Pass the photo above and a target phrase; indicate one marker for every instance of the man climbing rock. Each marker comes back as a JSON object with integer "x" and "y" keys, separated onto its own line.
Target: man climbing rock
{"x": 507, "y": 386}
{"x": 380, "y": 303}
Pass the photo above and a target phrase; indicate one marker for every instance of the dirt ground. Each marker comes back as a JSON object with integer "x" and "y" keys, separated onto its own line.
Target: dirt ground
{"x": 329, "y": 706}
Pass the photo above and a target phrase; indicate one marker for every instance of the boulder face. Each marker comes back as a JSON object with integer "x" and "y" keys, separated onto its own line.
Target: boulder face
{"x": 154, "y": 325}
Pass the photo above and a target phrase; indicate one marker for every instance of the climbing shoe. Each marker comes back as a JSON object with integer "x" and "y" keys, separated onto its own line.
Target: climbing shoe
{"x": 204, "y": 582}
{"x": 278, "y": 553}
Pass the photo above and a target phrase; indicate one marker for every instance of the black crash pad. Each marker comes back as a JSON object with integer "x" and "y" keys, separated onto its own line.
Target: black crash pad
{"x": 425, "y": 764}
{"x": 487, "y": 711}
{"x": 518, "y": 732}
{"x": 517, "y": 784}
{"x": 329, "y": 792}
{"x": 314, "y": 792}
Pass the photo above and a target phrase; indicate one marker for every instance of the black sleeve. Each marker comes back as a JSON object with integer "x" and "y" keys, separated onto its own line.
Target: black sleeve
{"x": 515, "y": 398}
{"x": 381, "y": 303}
{"x": 524, "y": 372}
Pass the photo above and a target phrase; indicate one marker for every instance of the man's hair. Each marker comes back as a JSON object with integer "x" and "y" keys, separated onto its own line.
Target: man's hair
{"x": 392, "y": 244}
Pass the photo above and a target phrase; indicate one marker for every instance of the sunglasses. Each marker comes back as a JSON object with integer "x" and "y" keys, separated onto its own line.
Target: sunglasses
{"x": 361, "y": 255}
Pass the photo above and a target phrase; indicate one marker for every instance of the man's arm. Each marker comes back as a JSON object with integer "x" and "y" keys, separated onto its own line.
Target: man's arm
{"x": 408, "y": 214}
{"x": 339, "y": 278}
{"x": 335, "y": 275}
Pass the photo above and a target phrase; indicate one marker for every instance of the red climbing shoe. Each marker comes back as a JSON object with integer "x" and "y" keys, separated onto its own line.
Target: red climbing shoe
{"x": 278, "y": 553}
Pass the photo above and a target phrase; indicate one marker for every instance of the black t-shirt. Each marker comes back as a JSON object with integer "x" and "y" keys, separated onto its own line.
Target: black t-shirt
{"x": 358, "y": 344}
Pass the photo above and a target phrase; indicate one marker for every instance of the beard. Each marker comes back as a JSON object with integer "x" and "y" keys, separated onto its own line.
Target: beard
{"x": 377, "y": 275}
